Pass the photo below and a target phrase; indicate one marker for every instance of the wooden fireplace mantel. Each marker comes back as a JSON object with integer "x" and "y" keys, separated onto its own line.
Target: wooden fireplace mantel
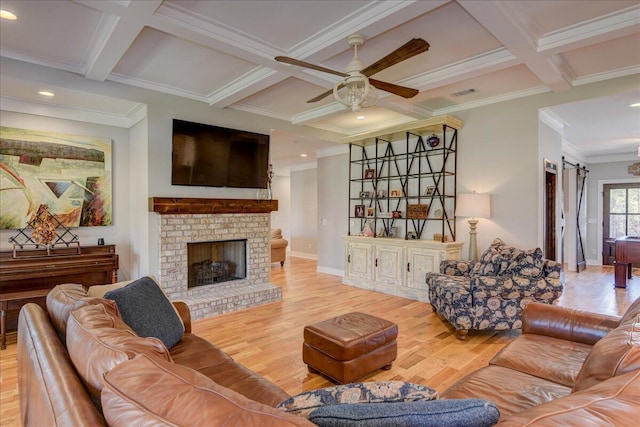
{"x": 183, "y": 205}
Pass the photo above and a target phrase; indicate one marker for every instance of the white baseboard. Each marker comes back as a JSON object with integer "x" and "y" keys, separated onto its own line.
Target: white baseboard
{"x": 331, "y": 271}
{"x": 303, "y": 255}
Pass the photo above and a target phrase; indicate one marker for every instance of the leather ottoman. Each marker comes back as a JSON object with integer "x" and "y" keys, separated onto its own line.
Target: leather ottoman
{"x": 350, "y": 346}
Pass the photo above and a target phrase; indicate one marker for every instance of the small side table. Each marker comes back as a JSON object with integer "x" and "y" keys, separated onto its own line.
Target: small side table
{"x": 8, "y": 297}
{"x": 622, "y": 272}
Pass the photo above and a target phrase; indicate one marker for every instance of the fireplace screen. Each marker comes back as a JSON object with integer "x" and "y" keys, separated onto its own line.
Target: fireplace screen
{"x": 216, "y": 262}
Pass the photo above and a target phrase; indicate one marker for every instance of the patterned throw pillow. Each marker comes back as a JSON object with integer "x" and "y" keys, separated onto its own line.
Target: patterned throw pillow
{"x": 490, "y": 261}
{"x": 525, "y": 263}
{"x": 369, "y": 392}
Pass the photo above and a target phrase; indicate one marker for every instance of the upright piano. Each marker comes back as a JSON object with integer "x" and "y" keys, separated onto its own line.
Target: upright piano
{"x": 32, "y": 271}
{"x": 627, "y": 254}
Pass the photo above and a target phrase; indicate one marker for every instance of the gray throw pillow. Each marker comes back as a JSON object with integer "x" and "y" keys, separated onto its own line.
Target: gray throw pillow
{"x": 146, "y": 309}
{"x": 424, "y": 413}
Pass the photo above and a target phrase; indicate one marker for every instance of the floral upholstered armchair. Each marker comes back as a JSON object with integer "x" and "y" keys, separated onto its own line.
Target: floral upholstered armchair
{"x": 492, "y": 293}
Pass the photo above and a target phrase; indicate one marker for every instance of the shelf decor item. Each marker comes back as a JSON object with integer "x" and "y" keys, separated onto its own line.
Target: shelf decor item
{"x": 359, "y": 211}
{"x": 417, "y": 211}
{"x": 369, "y": 174}
{"x": 433, "y": 141}
{"x": 473, "y": 206}
{"x": 43, "y": 231}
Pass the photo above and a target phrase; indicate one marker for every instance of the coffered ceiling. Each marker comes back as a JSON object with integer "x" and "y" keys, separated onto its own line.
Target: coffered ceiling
{"x": 221, "y": 52}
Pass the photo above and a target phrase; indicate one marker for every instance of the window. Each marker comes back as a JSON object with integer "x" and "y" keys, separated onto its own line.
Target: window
{"x": 621, "y": 210}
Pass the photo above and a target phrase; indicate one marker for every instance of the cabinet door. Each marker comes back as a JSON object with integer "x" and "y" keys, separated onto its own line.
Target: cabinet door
{"x": 388, "y": 264}
{"x": 421, "y": 262}
{"x": 359, "y": 260}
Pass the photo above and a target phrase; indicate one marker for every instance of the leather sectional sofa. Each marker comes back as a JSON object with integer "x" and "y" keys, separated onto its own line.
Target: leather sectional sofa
{"x": 567, "y": 368}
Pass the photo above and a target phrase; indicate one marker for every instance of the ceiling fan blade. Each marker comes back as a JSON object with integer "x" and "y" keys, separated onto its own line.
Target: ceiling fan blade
{"x": 408, "y": 50}
{"x": 320, "y": 97}
{"x": 405, "y": 92}
{"x": 291, "y": 61}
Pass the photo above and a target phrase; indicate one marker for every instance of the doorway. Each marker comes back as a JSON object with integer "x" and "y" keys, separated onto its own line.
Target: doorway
{"x": 551, "y": 182}
{"x": 620, "y": 216}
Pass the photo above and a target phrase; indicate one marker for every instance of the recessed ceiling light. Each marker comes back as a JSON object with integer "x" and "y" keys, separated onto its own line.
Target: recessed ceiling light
{"x": 46, "y": 93}
{"x": 5, "y": 14}
{"x": 360, "y": 117}
{"x": 637, "y": 104}
{"x": 303, "y": 155}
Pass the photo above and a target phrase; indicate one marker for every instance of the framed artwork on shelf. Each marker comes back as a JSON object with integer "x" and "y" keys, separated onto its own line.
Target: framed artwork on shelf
{"x": 359, "y": 211}
{"x": 365, "y": 194}
{"x": 369, "y": 173}
{"x": 381, "y": 193}
{"x": 396, "y": 193}
{"x": 430, "y": 191}
{"x": 370, "y": 212}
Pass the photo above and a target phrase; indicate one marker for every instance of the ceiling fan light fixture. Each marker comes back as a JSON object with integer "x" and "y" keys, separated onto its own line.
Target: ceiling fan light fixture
{"x": 355, "y": 92}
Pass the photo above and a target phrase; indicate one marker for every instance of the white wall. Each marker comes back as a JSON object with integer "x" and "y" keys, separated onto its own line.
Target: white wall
{"x": 333, "y": 208}
{"x": 281, "y": 218}
{"x": 304, "y": 209}
{"x": 138, "y": 195}
{"x": 118, "y": 233}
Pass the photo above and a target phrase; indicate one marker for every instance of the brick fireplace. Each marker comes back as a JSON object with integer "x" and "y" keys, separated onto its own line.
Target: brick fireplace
{"x": 187, "y": 221}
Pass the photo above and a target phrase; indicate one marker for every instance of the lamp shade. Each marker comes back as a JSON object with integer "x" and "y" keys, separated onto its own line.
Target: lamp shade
{"x": 473, "y": 205}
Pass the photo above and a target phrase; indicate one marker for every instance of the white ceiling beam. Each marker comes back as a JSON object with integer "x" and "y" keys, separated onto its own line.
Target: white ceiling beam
{"x": 115, "y": 36}
{"x": 509, "y": 29}
{"x": 374, "y": 19}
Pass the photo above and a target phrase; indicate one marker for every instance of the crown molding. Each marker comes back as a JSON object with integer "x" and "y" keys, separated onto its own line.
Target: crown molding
{"x": 551, "y": 119}
{"x": 145, "y": 84}
{"x": 260, "y": 111}
{"x": 594, "y": 78}
{"x": 333, "y": 151}
{"x": 132, "y": 117}
{"x": 253, "y": 77}
{"x": 498, "y": 57}
{"x": 611, "y": 22}
{"x": 493, "y": 100}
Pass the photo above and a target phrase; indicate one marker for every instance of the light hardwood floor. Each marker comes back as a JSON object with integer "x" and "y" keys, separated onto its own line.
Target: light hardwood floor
{"x": 268, "y": 339}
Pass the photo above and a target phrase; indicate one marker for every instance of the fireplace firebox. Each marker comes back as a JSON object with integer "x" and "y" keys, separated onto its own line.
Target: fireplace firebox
{"x": 216, "y": 262}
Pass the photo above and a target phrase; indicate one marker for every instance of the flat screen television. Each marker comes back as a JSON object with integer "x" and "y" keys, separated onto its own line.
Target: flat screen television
{"x": 212, "y": 156}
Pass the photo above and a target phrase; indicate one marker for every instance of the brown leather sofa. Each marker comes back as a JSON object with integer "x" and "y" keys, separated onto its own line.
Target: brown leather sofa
{"x": 568, "y": 368}
{"x": 58, "y": 387}
{"x": 278, "y": 247}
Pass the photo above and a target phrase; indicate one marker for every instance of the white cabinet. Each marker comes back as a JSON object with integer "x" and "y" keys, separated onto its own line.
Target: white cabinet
{"x": 387, "y": 264}
{"x": 395, "y": 266}
{"x": 359, "y": 258}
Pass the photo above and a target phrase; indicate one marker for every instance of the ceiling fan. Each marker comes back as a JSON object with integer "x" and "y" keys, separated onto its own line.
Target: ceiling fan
{"x": 357, "y": 90}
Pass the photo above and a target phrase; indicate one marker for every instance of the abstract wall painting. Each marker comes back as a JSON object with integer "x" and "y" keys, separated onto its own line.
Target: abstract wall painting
{"x": 71, "y": 174}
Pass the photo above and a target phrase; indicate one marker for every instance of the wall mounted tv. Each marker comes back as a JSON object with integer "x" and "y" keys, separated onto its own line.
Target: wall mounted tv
{"x": 212, "y": 156}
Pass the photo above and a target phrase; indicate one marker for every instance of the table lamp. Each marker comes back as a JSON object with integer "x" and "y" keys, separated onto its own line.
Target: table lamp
{"x": 473, "y": 206}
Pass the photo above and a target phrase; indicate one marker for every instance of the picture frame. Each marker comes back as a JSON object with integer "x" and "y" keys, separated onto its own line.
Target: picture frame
{"x": 369, "y": 173}
{"x": 371, "y": 212}
{"x": 359, "y": 211}
{"x": 430, "y": 191}
{"x": 365, "y": 194}
{"x": 381, "y": 193}
{"x": 396, "y": 193}
{"x": 396, "y": 214}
